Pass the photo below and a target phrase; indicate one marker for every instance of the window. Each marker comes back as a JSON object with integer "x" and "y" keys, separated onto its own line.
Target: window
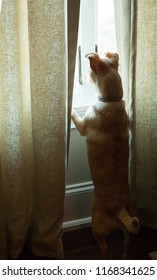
{"x": 96, "y": 33}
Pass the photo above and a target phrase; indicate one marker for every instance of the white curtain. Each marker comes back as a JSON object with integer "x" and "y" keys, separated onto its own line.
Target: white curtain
{"x": 125, "y": 24}
{"x": 122, "y": 9}
{"x": 136, "y": 37}
{"x": 32, "y": 126}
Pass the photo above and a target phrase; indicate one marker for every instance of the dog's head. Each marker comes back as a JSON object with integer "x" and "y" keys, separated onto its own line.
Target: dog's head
{"x": 104, "y": 73}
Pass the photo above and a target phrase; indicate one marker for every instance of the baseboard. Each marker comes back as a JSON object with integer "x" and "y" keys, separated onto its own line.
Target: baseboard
{"x": 77, "y": 207}
{"x": 76, "y": 224}
{"x": 80, "y": 187}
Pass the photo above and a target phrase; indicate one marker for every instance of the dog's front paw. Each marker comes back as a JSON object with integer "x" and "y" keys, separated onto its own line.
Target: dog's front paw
{"x": 73, "y": 112}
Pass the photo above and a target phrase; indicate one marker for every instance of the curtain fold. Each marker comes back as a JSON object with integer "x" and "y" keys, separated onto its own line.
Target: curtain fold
{"x": 3, "y": 242}
{"x": 136, "y": 38}
{"x": 122, "y": 10}
{"x": 73, "y": 24}
{"x": 47, "y": 72}
{"x": 33, "y": 126}
{"x": 125, "y": 24}
{"x": 15, "y": 136}
{"x": 146, "y": 113}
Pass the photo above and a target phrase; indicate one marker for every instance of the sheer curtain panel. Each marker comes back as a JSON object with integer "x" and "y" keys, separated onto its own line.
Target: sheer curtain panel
{"x": 125, "y": 25}
{"x": 32, "y": 126}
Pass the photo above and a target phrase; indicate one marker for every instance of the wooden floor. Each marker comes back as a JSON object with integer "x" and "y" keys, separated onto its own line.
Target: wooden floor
{"x": 83, "y": 246}
{"x": 80, "y": 245}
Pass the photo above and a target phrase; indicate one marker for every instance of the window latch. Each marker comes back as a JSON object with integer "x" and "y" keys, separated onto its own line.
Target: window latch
{"x": 80, "y": 65}
{"x": 96, "y": 48}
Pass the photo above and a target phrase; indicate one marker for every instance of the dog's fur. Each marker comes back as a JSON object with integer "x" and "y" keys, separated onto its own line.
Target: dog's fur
{"x": 105, "y": 126}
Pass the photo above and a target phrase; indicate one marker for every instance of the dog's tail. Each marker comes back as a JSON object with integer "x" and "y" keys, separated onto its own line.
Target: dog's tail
{"x": 130, "y": 223}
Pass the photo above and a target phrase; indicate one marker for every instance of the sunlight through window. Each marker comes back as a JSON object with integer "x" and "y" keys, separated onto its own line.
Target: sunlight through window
{"x": 96, "y": 34}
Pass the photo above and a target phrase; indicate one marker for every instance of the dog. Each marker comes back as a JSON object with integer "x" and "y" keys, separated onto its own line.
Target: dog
{"x": 105, "y": 126}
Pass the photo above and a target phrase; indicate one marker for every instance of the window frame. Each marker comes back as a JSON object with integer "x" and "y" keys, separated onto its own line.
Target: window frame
{"x": 91, "y": 21}
{"x": 83, "y": 47}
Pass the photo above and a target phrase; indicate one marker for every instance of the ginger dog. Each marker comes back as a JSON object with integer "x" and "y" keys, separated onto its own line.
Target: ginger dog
{"x": 105, "y": 126}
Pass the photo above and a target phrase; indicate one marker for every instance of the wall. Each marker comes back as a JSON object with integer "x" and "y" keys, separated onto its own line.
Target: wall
{"x": 79, "y": 188}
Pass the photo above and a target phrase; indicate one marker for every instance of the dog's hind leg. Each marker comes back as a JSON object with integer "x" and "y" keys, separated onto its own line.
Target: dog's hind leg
{"x": 102, "y": 245}
{"x": 102, "y": 224}
{"x": 126, "y": 249}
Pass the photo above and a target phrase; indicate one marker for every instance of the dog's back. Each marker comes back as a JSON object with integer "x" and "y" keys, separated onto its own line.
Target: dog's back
{"x": 108, "y": 151}
{"x": 105, "y": 126}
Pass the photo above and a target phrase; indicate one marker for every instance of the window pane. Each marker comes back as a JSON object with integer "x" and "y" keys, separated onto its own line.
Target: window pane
{"x": 96, "y": 27}
{"x": 106, "y": 27}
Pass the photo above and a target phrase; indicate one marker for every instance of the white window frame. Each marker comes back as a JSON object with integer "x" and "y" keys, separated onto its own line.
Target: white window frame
{"x": 88, "y": 28}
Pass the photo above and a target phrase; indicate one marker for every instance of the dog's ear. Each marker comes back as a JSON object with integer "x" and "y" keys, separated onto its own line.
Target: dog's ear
{"x": 114, "y": 57}
{"x": 95, "y": 61}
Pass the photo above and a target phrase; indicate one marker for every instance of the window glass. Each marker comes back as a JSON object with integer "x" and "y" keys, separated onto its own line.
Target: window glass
{"x": 96, "y": 33}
